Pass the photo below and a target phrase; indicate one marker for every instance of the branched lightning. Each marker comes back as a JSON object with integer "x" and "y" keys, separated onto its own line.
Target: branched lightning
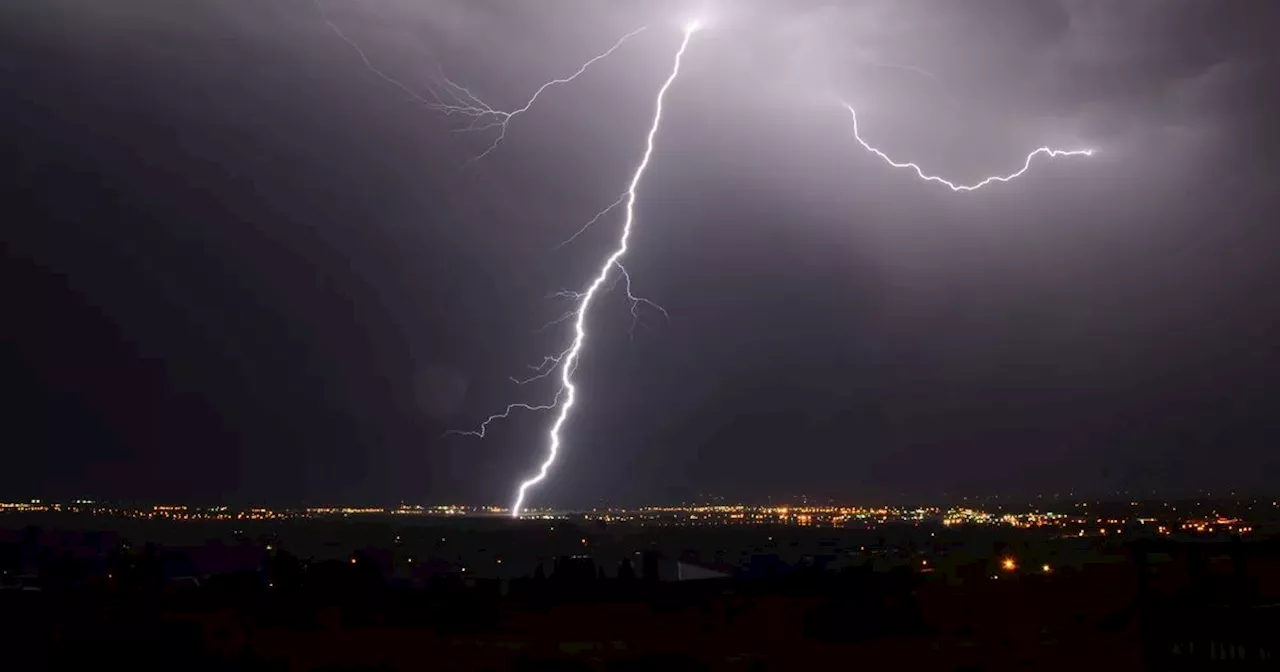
{"x": 455, "y": 100}
{"x": 1052, "y": 153}
{"x": 637, "y": 301}
{"x": 484, "y": 116}
{"x": 591, "y": 221}
{"x": 566, "y": 362}
{"x": 479, "y": 432}
{"x": 461, "y": 101}
{"x": 544, "y": 368}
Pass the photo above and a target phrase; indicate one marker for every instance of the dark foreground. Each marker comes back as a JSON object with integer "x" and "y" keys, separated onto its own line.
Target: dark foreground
{"x": 1141, "y": 605}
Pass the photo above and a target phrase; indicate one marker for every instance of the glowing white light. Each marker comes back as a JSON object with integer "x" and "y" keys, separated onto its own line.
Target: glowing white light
{"x": 1052, "y": 153}
{"x": 570, "y": 359}
{"x": 451, "y": 98}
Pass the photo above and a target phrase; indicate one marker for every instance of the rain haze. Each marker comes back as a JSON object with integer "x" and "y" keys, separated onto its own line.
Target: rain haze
{"x": 238, "y": 265}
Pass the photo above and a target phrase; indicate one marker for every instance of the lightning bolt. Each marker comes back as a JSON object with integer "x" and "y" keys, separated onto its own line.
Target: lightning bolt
{"x": 479, "y": 432}
{"x": 453, "y": 99}
{"x": 566, "y": 362}
{"x": 484, "y": 116}
{"x": 461, "y": 101}
{"x": 1026, "y": 165}
{"x": 591, "y": 221}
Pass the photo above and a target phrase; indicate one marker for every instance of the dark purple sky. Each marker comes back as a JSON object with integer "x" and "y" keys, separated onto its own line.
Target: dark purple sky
{"x": 237, "y": 266}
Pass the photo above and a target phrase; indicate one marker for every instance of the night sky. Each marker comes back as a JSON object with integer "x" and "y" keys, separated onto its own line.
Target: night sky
{"x": 239, "y": 267}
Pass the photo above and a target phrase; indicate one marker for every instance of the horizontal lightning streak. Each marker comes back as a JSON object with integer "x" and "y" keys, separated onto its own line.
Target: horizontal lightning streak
{"x": 503, "y": 415}
{"x": 1052, "y": 153}
{"x": 570, "y": 359}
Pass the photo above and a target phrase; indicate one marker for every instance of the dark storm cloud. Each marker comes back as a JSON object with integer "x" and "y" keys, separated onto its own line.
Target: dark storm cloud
{"x": 259, "y": 255}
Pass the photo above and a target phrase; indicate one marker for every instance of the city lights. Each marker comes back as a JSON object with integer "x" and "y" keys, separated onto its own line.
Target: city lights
{"x": 1190, "y": 523}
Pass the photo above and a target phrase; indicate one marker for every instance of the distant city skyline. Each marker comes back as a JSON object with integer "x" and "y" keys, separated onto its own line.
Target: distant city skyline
{"x": 1057, "y": 519}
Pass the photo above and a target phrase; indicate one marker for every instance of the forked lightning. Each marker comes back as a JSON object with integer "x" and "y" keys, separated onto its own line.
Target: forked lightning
{"x": 568, "y": 391}
{"x": 463, "y": 102}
